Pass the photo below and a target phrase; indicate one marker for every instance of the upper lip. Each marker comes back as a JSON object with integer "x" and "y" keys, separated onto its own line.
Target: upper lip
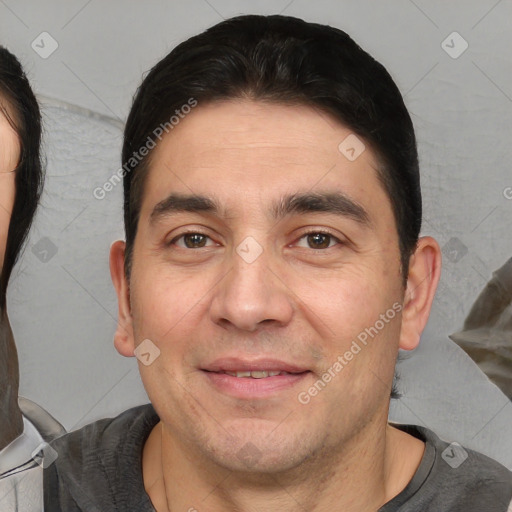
{"x": 234, "y": 364}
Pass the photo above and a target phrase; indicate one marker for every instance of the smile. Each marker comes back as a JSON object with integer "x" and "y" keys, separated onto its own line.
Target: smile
{"x": 254, "y": 383}
{"x": 258, "y": 374}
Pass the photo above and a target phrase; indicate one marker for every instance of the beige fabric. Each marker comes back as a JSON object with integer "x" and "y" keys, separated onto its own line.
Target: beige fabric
{"x": 21, "y": 475}
{"x": 46, "y": 424}
{"x": 487, "y": 332}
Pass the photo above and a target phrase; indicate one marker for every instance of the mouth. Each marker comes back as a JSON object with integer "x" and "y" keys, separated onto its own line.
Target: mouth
{"x": 253, "y": 379}
{"x": 257, "y": 374}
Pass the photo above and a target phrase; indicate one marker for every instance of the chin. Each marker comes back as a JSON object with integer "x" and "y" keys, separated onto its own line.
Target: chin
{"x": 260, "y": 451}
{"x": 251, "y": 460}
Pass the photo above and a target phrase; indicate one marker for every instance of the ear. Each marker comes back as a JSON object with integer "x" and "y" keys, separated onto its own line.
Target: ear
{"x": 123, "y": 338}
{"x": 424, "y": 273}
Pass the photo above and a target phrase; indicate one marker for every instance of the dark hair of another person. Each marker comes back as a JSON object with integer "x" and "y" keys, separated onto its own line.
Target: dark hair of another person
{"x": 15, "y": 91}
{"x": 287, "y": 61}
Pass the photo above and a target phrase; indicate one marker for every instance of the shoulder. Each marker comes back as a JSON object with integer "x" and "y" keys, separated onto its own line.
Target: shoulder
{"x": 454, "y": 478}
{"x": 98, "y": 460}
{"x": 463, "y": 463}
{"x": 109, "y": 435}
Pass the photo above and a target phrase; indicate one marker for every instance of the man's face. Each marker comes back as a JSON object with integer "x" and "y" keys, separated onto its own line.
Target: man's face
{"x": 264, "y": 283}
{"x": 9, "y": 156}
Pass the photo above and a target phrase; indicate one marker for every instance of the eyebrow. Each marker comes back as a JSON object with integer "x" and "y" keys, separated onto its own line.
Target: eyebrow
{"x": 301, "y": 203}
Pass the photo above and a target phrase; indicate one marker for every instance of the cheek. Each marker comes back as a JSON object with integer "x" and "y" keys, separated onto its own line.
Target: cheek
{"x": 345, "y": 303}
{"x": 6, "y": 205}
{"x": 4, "y": 227}
{"x": 354, "y": 318}
{"x": 166, "y": 305}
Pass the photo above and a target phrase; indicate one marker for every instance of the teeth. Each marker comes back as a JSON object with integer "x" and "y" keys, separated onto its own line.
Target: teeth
{"x": 258, "y": 374}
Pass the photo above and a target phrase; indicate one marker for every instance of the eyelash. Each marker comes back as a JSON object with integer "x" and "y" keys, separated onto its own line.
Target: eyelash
{"x": 321, "y": 232}
{"x": 305, "y": 234}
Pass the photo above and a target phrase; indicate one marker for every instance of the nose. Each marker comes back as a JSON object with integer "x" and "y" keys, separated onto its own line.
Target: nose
{"x": 251, "y": 295}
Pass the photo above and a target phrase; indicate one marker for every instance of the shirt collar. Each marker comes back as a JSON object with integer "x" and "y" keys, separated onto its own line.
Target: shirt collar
{"x": 19, "y": 451}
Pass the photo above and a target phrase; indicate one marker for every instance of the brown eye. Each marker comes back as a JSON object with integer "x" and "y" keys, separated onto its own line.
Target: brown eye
{"x": 192, "y": 240}
{"x": 318, "y": 240}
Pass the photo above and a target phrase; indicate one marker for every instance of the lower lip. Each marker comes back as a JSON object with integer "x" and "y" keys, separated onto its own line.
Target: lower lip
{"x": 248, "y": 387}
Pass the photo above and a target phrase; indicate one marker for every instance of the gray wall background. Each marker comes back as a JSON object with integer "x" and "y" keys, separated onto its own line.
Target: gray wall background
{"x": 61, "y": 301}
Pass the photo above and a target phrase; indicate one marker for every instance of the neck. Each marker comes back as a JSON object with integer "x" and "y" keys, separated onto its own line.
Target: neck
{"x": 11, "y": 420}
{"x": 363, "y": 475}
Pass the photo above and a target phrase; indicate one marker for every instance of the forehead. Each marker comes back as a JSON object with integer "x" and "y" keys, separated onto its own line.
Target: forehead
{"x": 246, "y": 150}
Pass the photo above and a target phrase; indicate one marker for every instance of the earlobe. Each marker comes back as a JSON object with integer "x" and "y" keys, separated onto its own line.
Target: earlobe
{"x": 123, "y": 337}
{"x": 422, "y": 280}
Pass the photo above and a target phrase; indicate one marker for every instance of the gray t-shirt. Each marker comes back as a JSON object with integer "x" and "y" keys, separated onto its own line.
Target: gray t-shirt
{"x": 99, "y": 469}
